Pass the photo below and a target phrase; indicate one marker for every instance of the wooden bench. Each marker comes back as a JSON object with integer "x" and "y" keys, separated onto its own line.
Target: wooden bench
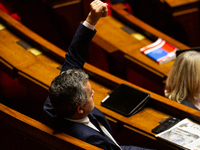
{"x": 40, "y": 70}
{"x": 177, "y": 18}
{"x": 19, "y": 131}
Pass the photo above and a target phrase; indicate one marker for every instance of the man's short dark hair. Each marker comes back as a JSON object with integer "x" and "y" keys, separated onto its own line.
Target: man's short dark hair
{"x": 67, "y": 91}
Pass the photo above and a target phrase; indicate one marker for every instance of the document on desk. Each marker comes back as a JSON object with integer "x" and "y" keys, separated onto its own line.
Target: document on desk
{"x": 185, "y": 134}
{"x": 126, "y": 100}
{"x": 160, "y": 51}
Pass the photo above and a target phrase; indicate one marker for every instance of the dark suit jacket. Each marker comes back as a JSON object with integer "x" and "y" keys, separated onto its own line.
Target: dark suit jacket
{"x": 75, "y": 58}
{"x": 189, "y": 104}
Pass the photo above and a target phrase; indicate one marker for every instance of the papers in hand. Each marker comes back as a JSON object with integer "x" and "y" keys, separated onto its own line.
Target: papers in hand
{"x": 160, "y": 51}
{"x": 185, "y": 134}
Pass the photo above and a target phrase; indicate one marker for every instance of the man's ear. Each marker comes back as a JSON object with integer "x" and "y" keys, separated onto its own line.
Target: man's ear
{"x": 79, "y": 110}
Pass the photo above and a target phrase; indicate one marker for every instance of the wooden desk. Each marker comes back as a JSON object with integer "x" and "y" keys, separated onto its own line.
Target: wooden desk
{"x": 41, "y": 70}
{"x": 111, "y": 37}
{"x": 176, "y": 18}
{"x": 32, "y": 134}
{"x": 61, "y": 13}
{"x": 186, "y": 12}
{"x": 177, "y": 3}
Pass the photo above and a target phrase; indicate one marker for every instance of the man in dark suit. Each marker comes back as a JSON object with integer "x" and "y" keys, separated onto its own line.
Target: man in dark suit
{"x": 70, "y": 105}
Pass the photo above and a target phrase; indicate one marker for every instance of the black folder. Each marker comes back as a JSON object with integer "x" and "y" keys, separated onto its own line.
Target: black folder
{"x": 126, "y": 100}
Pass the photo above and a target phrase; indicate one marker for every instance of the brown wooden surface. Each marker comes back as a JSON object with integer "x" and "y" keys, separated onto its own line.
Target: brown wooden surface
{"x": 112, "y": 38}
{"x": 187, "y": 14}
{"x": 67, "y": 15}
{"x": 176, "y": 18}
{"x": 118, "y": 11}
{"x": 39, "y": 136}
{"x": 176, "y": 3}
{"x": 43, "y": 68}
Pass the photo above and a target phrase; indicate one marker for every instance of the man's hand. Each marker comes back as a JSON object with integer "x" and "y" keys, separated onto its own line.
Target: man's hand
{"x": 98, "y": 9}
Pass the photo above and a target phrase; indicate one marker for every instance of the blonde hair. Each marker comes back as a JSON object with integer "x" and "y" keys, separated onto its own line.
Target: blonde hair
{"x": 183, "y": 81}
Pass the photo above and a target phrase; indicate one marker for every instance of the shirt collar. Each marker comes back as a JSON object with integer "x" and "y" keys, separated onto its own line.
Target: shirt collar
{"x": 83, "y": 120}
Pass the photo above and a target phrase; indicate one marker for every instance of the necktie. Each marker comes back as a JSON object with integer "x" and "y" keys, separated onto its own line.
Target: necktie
{"x": 95, "y": 122}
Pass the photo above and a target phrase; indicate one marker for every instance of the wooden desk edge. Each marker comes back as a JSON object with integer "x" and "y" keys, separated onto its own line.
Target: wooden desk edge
{"x": 42, "y": 127}
{"x": 18, "y": 27}
{"x": 157, "y": 99}
{"x": 173, "y": 3}
{"x": 119, "y": 11}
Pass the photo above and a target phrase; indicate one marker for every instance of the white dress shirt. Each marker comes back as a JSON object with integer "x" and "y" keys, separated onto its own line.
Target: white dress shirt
{"x": 88, "y": 25}
{"x": 86, "y": 121}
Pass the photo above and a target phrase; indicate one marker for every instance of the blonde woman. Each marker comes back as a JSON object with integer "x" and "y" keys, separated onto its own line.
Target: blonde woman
{"x": 183, "y": 82}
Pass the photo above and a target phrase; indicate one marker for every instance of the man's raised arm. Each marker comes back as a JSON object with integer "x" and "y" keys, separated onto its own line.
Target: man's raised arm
{"x": 78, "y": 50}
{"x": 98, "y": 9}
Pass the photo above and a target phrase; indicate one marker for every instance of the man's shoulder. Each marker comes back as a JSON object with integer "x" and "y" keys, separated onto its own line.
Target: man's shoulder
{"x": 96, "y": 111}
{"x": 77, "y": 130}
{"x": 98, "y": 114}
